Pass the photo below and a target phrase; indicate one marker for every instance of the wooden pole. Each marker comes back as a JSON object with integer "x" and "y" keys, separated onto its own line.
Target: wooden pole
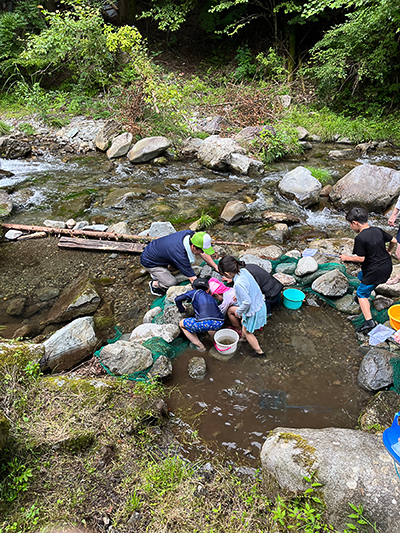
{"x": 98, "y": 234}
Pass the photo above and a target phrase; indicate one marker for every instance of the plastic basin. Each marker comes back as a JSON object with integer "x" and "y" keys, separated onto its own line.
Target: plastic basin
{"x": 293, "y": 299}
{"x": 230, "y": 339}
{"x": 394, "y": 316}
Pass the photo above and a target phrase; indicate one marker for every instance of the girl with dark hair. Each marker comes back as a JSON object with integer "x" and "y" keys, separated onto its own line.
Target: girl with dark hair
{"x": 251, "y": 306}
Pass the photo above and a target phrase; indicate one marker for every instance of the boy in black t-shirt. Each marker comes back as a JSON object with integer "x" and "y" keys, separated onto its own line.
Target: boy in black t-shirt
{"x": 376, "y": 263}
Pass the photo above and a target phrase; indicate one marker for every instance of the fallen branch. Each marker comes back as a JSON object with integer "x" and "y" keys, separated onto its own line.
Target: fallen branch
{"x": 77, "y": 233}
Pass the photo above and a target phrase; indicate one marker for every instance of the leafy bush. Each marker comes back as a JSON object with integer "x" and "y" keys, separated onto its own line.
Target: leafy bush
{"x": 270, "y": 147}
{"x": 321, "y": 174}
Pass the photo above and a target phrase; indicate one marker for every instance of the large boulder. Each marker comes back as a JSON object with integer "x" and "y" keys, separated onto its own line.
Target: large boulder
{"x": 271, "y": 252}
{"x": 248, "y": 166}
{"x": 80, "y": 298}
{"x": 352, "y": 466}
{"x": 159, "y": 229}
{"x": 142, "y": 333}
{"x": 300, "y": 185}
{"x": 306, "y": 265}
{"x": 216, "y": 152}
{"x": 333, "y": 247}
{"x": 371, "y": 186}
{"x": 120, "y": 146}
{"x": 147, "y": 149}
{"x": 375, "y": 372}
{"x": 251, "y": 259}
{"x": 6, "y": 204}
{"x": 118, "y": 197}
{"x": 331, "y": 284}
{"x": 123, "y": 357}
{"x": 69, "y": 345}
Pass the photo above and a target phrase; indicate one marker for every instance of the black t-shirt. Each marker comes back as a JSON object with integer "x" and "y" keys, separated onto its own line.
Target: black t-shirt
{"x": 371, "y": 244}
{"x": 270, "y": 287}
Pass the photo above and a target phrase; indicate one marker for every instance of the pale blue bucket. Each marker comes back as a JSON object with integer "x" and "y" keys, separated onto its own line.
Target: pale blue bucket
{"x": 293, "y": 298}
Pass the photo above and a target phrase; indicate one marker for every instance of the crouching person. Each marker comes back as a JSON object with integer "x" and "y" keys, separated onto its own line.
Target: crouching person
{"x": 207, "y": 315}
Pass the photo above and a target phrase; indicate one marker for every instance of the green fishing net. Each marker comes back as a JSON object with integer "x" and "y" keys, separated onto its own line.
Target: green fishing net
{"x": 157, "y": 346}
{"x": 395, "y": 362}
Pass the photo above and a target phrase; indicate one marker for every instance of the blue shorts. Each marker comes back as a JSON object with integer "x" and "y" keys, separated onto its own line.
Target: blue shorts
{"x": 194, "y": 326}
{"x": 364, "y": 291}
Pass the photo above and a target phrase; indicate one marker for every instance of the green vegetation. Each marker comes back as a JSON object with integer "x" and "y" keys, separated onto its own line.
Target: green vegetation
{"x": 206, "y": 221}
{"x": 321, "y": 174}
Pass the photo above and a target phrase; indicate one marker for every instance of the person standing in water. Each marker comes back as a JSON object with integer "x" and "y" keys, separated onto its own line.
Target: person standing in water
{"x": 251, "y": 308}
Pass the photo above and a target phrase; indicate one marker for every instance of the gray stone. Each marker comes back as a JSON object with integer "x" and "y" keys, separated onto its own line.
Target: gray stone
{"x": 190, "y": 147}
{"x": 251, "y": 132}
{"x": 333, "y": 246}
{"x": 233, "y": 210}
{"x": 216, "y": 152}
{"x": 47, "y": 293}
{"x": 271, "y": 252}
{"x": 285, "y": 268}
{"x": 331, "y": 284}
{"x": 177, "y": 290}
{"x": 123, "y": 357}
{"x": 6, "y": 204}
{"x": 306, "y": 265}
{"x": 106, "y": 133}
{"x": 197, "y": 367}
{"x": 296, "y": 254}
{"x": 337, "y": 154}
{"x": 347, "y": 305}
{"x": 96, "y": 227}
{"x": 285, "y": 279}
{"x": 11, "y": 148}
{"x": 81, "y": 224}
{"x": 276, "y": 217}
{"x": 120, "y": 227}
{"x": 302, "y": 133}
{"x": 142, "y": 333}
{"x": 285, "y": 100}
{"x": 352, "y": 466}
{"x": 119, "y": 197}
{"x": 381, "y": 302}
{"x": 120, "y": 146}
{"x": 148, "y": 148}
{"x": 13, "y": 234}
{"x": 255, "y": 260}
{"x": 16, "y": 307}
{"x": 159, "y": 229}
{"x": 375, "y": 372}
{"x": 69, "y": 345}
{"x": 60, "y": 224}
{"x": 77, "y": 299}
{"x": 379, "y": 412}
{"x": 213, "y": 125}
{"x": 344, "y": 140}
{"x": 242, "y": 164}
{"x": 300, "y": 185}
{"x": 172, "y": 315}
{"x": 371, "y": 186}
{"x": 70, "y": 223}
{"x": 151, "y": 313}
{"x": 162, "y": 368}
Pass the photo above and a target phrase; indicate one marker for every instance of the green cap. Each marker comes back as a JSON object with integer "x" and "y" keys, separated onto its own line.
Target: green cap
{"x": 202, "y": 240}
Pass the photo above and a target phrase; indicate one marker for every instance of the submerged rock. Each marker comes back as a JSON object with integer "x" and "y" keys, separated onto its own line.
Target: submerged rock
{"x": 352, "y": 466}
{"x": 6, "y": 205}
{"x": 162, "y": 368}
{"x": 375, "y": 372}
{"x": 197, "y": 367}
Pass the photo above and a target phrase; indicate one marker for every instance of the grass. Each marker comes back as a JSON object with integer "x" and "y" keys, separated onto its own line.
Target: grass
{"x": 321, "y": 174}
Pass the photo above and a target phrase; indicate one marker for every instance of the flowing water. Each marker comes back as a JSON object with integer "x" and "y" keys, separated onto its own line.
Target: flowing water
{"x": 308, "y": 378}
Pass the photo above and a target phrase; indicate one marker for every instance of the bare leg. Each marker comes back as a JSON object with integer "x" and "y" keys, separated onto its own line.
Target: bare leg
{"x": 192, "y": 337}
{"x": 252, "y": 339}
{"x": 233, "y": 318}
{"x": 365, "y": 308}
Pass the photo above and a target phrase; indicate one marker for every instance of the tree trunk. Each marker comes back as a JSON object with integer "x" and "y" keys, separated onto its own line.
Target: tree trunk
{"x": 127, "y": 11}
{"x": 292, "y": 52}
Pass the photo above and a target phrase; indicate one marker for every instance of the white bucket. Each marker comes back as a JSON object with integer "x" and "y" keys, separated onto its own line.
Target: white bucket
{"x": 225, "y": 335}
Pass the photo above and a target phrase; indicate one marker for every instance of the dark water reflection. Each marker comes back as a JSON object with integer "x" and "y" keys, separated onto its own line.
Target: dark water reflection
{"x": 311, "y": 355}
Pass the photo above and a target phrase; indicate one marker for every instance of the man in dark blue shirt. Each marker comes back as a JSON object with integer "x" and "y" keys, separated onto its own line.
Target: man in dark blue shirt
{"x": 177, "y": 250}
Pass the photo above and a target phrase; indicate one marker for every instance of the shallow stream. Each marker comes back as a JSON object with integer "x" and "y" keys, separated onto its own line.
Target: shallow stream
{"x": 312, "y": 356}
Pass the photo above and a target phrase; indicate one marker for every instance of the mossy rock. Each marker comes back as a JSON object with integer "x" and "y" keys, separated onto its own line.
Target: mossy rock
{"x": 19, "y": 354}
{"x": 76, "y": 444}
{"x": 77, "y": 384}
